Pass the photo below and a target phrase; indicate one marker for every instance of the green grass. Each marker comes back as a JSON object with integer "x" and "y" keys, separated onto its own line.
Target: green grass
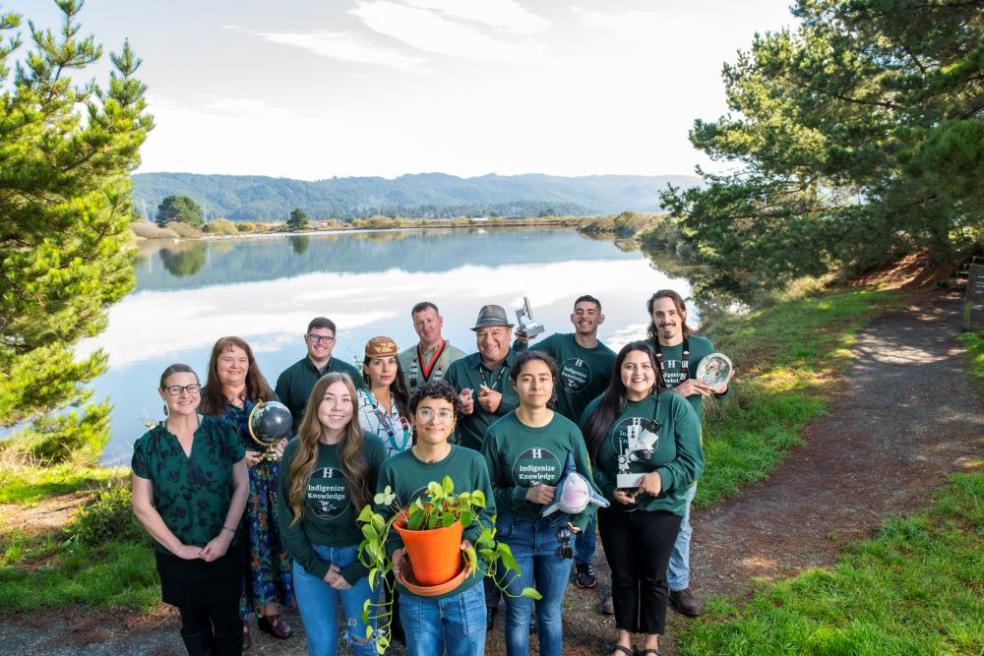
{"x": 100, "y": 557}
{"x": 975, "y": 352}
{"x": 916, "y": 588}
{"x": 118, "y": 572}
{"x": 27, "y": 485}
{"x": 786, "y": 356}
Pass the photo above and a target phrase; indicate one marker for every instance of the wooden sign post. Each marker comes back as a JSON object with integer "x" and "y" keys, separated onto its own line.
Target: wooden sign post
{"x": 973, "y": 314}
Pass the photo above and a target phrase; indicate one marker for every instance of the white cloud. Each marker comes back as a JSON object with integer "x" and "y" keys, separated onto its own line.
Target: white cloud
{"x": 633, "y": 22}
{"x": 344, "y": 46}
{"x": 428, "y": 31}
{"x": 271, "y": 314}
{"x": 503, "y": 14}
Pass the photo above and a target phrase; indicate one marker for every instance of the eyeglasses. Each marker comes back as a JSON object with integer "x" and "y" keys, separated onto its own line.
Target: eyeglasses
{"x": 428, "y": 415}
{"x": 176, "y": 390}
{"x": 321, "y": 339}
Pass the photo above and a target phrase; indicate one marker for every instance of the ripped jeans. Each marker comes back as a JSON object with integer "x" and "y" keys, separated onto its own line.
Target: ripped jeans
{"x": 318, "y": 603}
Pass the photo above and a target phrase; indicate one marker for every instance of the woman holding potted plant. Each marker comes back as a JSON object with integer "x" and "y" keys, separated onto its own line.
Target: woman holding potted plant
{"x": 328, "y": 475}
{"x": 525, "y": 452}
{"x": 455, "y": 619}
{"x": 645, "y": 443}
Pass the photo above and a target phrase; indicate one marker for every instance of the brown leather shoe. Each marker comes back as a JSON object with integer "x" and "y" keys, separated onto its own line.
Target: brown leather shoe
{"x": 276, "y": 626}
{"x": 684, "y": 602}
{"x": 247, "y": 639}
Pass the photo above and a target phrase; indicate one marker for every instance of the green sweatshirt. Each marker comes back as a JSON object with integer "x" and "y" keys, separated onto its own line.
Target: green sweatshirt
{"x": 700, "y": 348}
{"x": 677, "y": 454}
{"x": 470, "y": 372}
{"x": 329, "y": 515}
{"x": 408, "y": 478}
{"x": 295, "y": 383}
{"x": 521, "y": 456}
{"x": 584, "y": 372}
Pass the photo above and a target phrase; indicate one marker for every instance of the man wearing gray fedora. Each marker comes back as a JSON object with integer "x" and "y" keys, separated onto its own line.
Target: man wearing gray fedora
{"x": 486, "y": 393}
{"x": 482, "y": 378}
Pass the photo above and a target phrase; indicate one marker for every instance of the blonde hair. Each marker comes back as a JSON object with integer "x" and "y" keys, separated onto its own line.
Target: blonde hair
{"x": 352, "y": 460}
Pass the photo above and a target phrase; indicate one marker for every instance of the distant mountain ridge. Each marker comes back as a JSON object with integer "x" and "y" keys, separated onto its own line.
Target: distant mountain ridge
{"x": 428, "y": 195}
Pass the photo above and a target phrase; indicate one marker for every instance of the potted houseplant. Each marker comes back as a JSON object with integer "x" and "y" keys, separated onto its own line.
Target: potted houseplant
{"x": 431, "y": 528}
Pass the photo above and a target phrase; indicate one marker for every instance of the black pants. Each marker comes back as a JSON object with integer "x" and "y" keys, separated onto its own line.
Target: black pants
{"x": 212, "y": 630}
{"x": 637, "y": 546}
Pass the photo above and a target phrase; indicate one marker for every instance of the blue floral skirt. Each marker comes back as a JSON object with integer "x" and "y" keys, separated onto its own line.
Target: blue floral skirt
{"x": 267, "y": 566}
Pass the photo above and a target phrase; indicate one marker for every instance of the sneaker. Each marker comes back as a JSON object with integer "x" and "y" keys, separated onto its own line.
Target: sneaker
{"x": 607, "y": 607}
{"x": 585, "y": 577}
{"x": 684, "y": 602}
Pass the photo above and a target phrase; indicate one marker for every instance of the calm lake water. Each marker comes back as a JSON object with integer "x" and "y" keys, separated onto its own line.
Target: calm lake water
{"x": 266, "y": 290}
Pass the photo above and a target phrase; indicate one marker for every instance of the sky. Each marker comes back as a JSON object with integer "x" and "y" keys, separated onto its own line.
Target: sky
{"x": 315, "y": 89}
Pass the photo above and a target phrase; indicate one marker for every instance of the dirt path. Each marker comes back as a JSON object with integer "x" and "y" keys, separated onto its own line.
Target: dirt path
{"x": 904, "y": 418}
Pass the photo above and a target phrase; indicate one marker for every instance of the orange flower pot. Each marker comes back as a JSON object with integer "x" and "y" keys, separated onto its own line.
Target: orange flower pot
{"x": 435, "y": 554}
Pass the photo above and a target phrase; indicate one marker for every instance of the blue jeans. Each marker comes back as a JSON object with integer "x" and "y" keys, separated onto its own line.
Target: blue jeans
{"x": 455, "y": 622}
{"x": 678, "y": 574}
{"x": 318, "y": 603}
{"x": 535, "y": 546}
{"x": 585, "y": 543}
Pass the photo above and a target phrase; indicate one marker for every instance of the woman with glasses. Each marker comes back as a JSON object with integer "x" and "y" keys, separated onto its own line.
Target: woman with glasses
{"x": 526, "y": 452}
{"x": 645, "y": 444}
{"x": 189, "y": 491}
{"x": 235, "y": 384}
{"x": 383, "y": 402}
{"x": 329, "y": 476}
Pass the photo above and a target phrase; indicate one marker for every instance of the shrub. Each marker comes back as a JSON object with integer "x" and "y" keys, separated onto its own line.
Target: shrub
{"x": 147, "y": 230}
{"x": 221, "y": 227}
{"x": 107, "y": 517}
{"x": 71, "y": 437}
{"x": 183, "y": 230}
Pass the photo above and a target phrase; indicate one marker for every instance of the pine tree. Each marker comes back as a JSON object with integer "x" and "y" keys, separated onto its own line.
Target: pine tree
{"x": 298, "y": 219}
{"x": 182, "y": 209}
{"x": 66, "y": 152}
{"x": 857, "y": 137}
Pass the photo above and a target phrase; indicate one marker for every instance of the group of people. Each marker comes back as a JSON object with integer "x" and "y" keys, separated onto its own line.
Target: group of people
{"x": 238, "y": 533}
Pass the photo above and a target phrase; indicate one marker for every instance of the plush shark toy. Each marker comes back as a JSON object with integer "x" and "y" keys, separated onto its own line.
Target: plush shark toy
{"x": 574, "y": 493}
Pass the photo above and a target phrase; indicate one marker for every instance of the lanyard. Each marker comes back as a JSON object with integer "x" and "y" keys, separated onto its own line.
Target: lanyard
{"x": 495, "y": 379}
{"x": 684, "y": 360}
{"x": 385, "y": 423}
{"x": 426, "y": 367}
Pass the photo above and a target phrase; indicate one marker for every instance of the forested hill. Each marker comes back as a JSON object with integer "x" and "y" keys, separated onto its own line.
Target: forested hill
{"x": 429, "y": 195}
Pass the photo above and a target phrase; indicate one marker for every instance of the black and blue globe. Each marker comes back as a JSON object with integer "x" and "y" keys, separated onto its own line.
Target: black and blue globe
{"x": 269, "y": 422}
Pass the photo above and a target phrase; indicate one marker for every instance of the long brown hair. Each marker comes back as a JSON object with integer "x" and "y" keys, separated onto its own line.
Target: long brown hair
{"x": 681, "y": 309}
{"x": 257, "y": 388}
{"x": 613, "y": 399}
{"x": 350, "y": 455}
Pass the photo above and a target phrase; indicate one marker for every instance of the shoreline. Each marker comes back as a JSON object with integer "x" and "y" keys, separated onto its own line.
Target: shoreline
{"x": 532, "y": 222}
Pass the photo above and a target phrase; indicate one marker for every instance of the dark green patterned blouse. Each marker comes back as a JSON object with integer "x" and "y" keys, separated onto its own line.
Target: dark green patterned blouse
{"x": 192, "y": 494}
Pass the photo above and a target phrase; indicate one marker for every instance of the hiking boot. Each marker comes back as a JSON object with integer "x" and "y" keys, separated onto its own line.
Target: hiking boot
{"x": 684, "y": 602}
{"x": 585, "y": 577}
{"x": 607, "y": 607}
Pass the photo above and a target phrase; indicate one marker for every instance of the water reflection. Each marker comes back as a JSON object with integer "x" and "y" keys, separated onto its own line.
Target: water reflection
{"x": 300, "y": 244}
{"x": 266, "y": 292}
{"x": 184, "y": 258}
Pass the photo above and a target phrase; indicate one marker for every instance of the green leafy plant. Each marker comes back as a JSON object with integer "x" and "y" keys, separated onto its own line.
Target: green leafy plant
{"x": 441, "y": 509}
